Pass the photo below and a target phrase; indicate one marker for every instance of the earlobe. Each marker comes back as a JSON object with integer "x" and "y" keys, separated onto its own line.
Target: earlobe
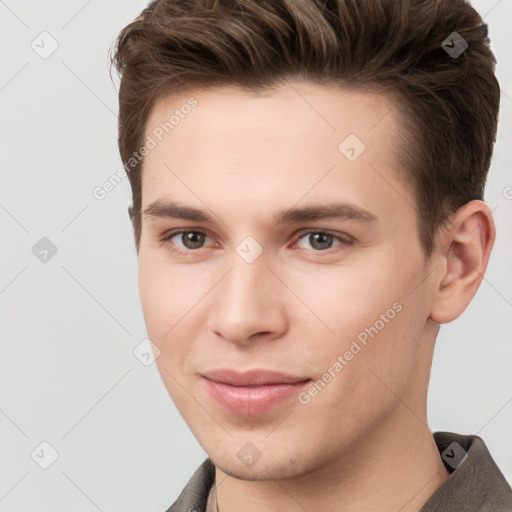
{"x": 464, "y": 251}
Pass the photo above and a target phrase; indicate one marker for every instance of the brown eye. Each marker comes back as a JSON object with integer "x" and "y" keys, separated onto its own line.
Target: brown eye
{"x": 184, "y": 241}
{"x": 193, "y": 239}
{"x": 320, "y": 241}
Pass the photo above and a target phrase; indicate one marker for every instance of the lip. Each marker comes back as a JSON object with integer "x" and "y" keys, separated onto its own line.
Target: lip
{"x": 251, "y": 392}
{"x": 255, "y": 377}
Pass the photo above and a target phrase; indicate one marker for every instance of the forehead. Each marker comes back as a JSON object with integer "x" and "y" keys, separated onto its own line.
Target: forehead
{"x": 302, "y": 109}
{"x": 300, "y": 138}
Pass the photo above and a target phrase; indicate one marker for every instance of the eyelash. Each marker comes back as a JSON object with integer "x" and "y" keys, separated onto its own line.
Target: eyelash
{"x": 343, "y": 242}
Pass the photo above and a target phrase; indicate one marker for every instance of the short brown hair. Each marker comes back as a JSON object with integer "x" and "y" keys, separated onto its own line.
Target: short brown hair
{"x": 449, "y": 105}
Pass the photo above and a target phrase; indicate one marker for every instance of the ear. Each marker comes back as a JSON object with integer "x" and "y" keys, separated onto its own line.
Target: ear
{"x": 462, "y": 253}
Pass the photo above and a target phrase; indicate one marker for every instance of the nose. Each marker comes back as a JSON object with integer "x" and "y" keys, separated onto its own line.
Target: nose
{"x": 249, "y": 304}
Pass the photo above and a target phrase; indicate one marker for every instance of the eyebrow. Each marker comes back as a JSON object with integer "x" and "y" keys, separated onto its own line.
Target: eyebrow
{"x": 340, "y": 211}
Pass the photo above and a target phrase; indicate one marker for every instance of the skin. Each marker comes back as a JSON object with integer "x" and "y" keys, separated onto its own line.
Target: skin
{"x": 363, "y": 442}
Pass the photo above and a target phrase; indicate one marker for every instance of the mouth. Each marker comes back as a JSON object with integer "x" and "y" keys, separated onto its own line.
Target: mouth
{"x": 252, "y": 392}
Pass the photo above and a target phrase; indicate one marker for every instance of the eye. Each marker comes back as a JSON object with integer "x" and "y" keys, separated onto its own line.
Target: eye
{"x": 187, "y": 240}
{"x": 323, "y": 240}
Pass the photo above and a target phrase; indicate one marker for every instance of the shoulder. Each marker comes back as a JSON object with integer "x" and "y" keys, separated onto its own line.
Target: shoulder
{"x": 194, "y": 496}
{"x": 475, "y": 484}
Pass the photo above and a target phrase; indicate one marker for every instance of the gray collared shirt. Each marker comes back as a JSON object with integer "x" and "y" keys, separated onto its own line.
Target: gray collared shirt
{"x": 475, "y": 483}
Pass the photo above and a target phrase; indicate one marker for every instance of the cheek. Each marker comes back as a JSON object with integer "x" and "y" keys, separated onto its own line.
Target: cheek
{"x": 165, "y": 304}
{"x": 373, "y": 324}
{"x": 358, "y": 382}
{"x": 156, "y": 277}
{"x": 152, "y": 285}
{"x": 347, "y": 299}
{"x": 162, "y": 294}
{"x": 172, "y": 297}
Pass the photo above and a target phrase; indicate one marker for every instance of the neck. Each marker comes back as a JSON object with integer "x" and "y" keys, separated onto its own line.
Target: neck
{"x": 385, "y": 473}
{"x": 392, "y": 465}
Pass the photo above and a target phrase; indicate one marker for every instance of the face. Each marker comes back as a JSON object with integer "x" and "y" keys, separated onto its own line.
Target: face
{"x": 278, "y": 234}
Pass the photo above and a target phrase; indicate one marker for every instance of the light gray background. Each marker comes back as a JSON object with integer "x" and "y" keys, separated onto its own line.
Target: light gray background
{"x": 68, "y": 375}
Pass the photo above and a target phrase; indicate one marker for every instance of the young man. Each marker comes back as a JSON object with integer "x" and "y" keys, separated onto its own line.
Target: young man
{"x": 307, "y": 183}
